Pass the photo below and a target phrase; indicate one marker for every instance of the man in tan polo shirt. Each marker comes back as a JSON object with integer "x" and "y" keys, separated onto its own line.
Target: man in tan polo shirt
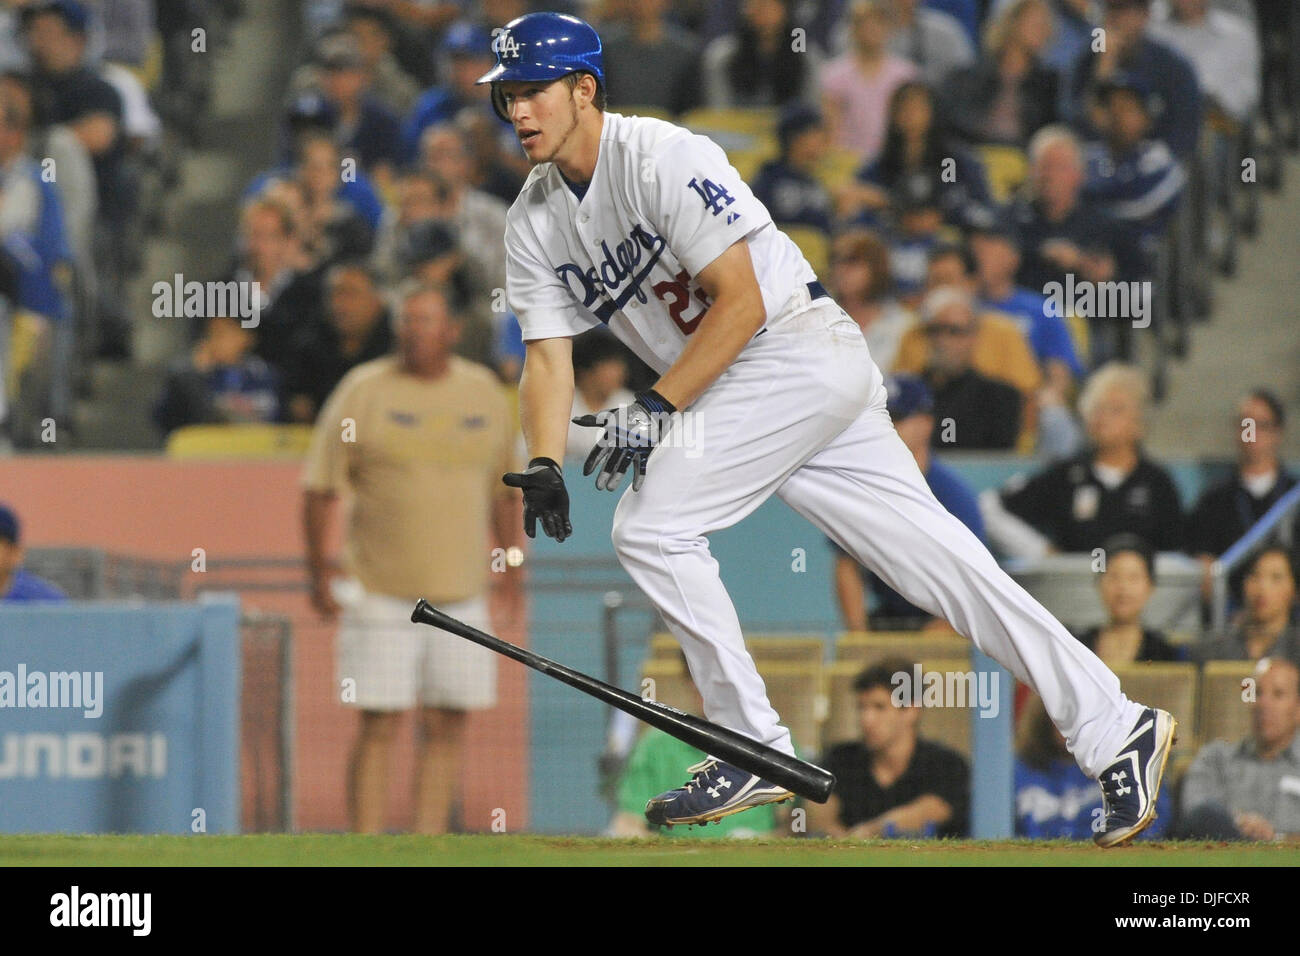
{"x": 419, "y": 440}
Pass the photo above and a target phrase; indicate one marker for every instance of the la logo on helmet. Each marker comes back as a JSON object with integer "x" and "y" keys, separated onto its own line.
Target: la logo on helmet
{"x": 506, "y": 46}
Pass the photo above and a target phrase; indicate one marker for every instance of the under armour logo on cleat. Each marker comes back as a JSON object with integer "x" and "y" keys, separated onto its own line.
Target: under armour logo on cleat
{"x": 722, "y": 782}
{"x": 1119, "y": 779}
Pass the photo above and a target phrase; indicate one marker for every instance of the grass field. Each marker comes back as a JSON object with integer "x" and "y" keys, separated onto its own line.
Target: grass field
{"x": 505, "y": 850}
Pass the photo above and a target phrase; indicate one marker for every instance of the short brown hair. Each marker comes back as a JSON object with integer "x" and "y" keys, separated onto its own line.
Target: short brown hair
{"x": 571, "y": 81}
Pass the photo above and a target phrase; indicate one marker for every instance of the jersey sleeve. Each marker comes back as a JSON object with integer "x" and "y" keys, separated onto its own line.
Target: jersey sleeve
{"x": 326, "y": 464}
{"x": 539, "y": 299}
{"x": 700, "y": 205}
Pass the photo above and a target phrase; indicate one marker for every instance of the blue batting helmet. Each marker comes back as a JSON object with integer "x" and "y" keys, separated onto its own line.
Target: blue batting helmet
{"x": 543, "y": 46}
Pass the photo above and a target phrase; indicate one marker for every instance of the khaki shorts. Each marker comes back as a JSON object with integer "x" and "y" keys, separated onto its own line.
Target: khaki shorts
{"x": 397, "y": 665}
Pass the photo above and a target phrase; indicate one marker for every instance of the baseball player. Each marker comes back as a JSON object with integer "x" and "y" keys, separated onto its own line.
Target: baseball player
{"x": 644, "y": 227}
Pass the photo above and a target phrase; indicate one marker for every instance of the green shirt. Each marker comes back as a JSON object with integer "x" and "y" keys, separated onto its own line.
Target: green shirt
{"x": 657, "y": 763}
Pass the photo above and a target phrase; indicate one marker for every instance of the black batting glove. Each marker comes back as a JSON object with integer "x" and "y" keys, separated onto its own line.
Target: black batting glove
{"x": 544, "y": 497}
{"x": 631, "y": 434}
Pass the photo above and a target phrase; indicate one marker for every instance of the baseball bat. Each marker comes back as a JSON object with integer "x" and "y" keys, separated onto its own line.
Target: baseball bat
{"x": 792, "y": 773}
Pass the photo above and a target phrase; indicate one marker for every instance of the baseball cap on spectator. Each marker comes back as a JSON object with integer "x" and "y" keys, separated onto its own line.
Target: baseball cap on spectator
{"x": 74, "y": 15}
{"x": 466, "y": 39}
{"x": 794, "y": 120}
{"x": 1125, "y": 82}
{"x": 425, "y": 242}
{"x": 981, "y": 220}
{"x": 10, "y": 529}
{"x": 310, "y": 110}
{"x": 339, "y": 51}
{"x": 907, "y": 395}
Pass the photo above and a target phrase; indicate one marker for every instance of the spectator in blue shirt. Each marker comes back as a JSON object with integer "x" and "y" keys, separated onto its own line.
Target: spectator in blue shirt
{"x": 468, "y": 50}
{"x": 1134, "y": 179}
{"x": 787, "y": 185}
{"x": 1171, "y": 79}
{"x": 995, "y": 247}
{"x": 364, "y": 129}
{"x": 911, "y": 408}
{"x": 15, "y": 583}
{"x": 1054, "y": 800}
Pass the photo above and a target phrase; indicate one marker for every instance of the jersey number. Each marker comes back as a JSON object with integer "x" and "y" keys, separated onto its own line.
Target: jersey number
{"x": 676, "y": 294}
{"x": 713, "y": 195}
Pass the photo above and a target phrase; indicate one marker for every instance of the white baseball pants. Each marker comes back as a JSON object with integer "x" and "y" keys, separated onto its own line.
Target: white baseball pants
{"x": 801, "y": 414}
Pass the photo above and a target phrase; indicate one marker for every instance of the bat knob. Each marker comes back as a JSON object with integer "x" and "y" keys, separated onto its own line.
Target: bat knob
{"x": 422, "y": 608}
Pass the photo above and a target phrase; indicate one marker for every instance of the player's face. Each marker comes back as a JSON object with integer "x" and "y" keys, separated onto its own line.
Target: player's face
{"x": 1125, "y": 587}
{"x": 1277, "y": 706}
{"x": 544, "y": 116}
{"x": 1269, "y": 589}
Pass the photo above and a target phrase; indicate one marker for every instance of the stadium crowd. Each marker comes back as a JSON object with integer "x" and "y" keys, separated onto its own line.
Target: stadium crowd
{"x": 96, "y": 98}
{"x": 1017, "y": 217}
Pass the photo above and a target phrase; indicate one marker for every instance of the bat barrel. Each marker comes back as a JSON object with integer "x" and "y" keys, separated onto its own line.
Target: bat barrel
{"x": 782, "y": 769}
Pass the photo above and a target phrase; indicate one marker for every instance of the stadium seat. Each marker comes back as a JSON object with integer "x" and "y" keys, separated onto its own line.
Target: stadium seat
{"x": 737, "y": 129}
{"x": 1006, "y": 168}
{"x": 814, "y": 244}
{"x": 1224, "y": 715}
{"x": 862, "y": 648}
{"x": 797, "y": 693}
{"x": 1169, "y": 686}
{"x": 837, "y": 167}
{"x": 672, "y": 685}
{"x": 748, "y": 161}
{"x": 950, "y": 726}
{"x": 239, "y": 441}
{"x": 809, "y": 649}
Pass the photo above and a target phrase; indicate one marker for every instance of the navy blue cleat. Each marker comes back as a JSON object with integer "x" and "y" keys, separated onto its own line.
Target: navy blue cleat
{"x": 1130, "y": 784}
{"x": 715, "y": 790}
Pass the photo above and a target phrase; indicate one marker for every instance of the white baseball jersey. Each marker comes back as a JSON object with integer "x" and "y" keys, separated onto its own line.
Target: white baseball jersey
{"x": 662, "y": 204}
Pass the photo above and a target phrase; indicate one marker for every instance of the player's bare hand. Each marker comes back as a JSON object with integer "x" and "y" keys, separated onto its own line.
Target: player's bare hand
{"x": 545, "y": 498}
{"x": 631, "y": 434}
